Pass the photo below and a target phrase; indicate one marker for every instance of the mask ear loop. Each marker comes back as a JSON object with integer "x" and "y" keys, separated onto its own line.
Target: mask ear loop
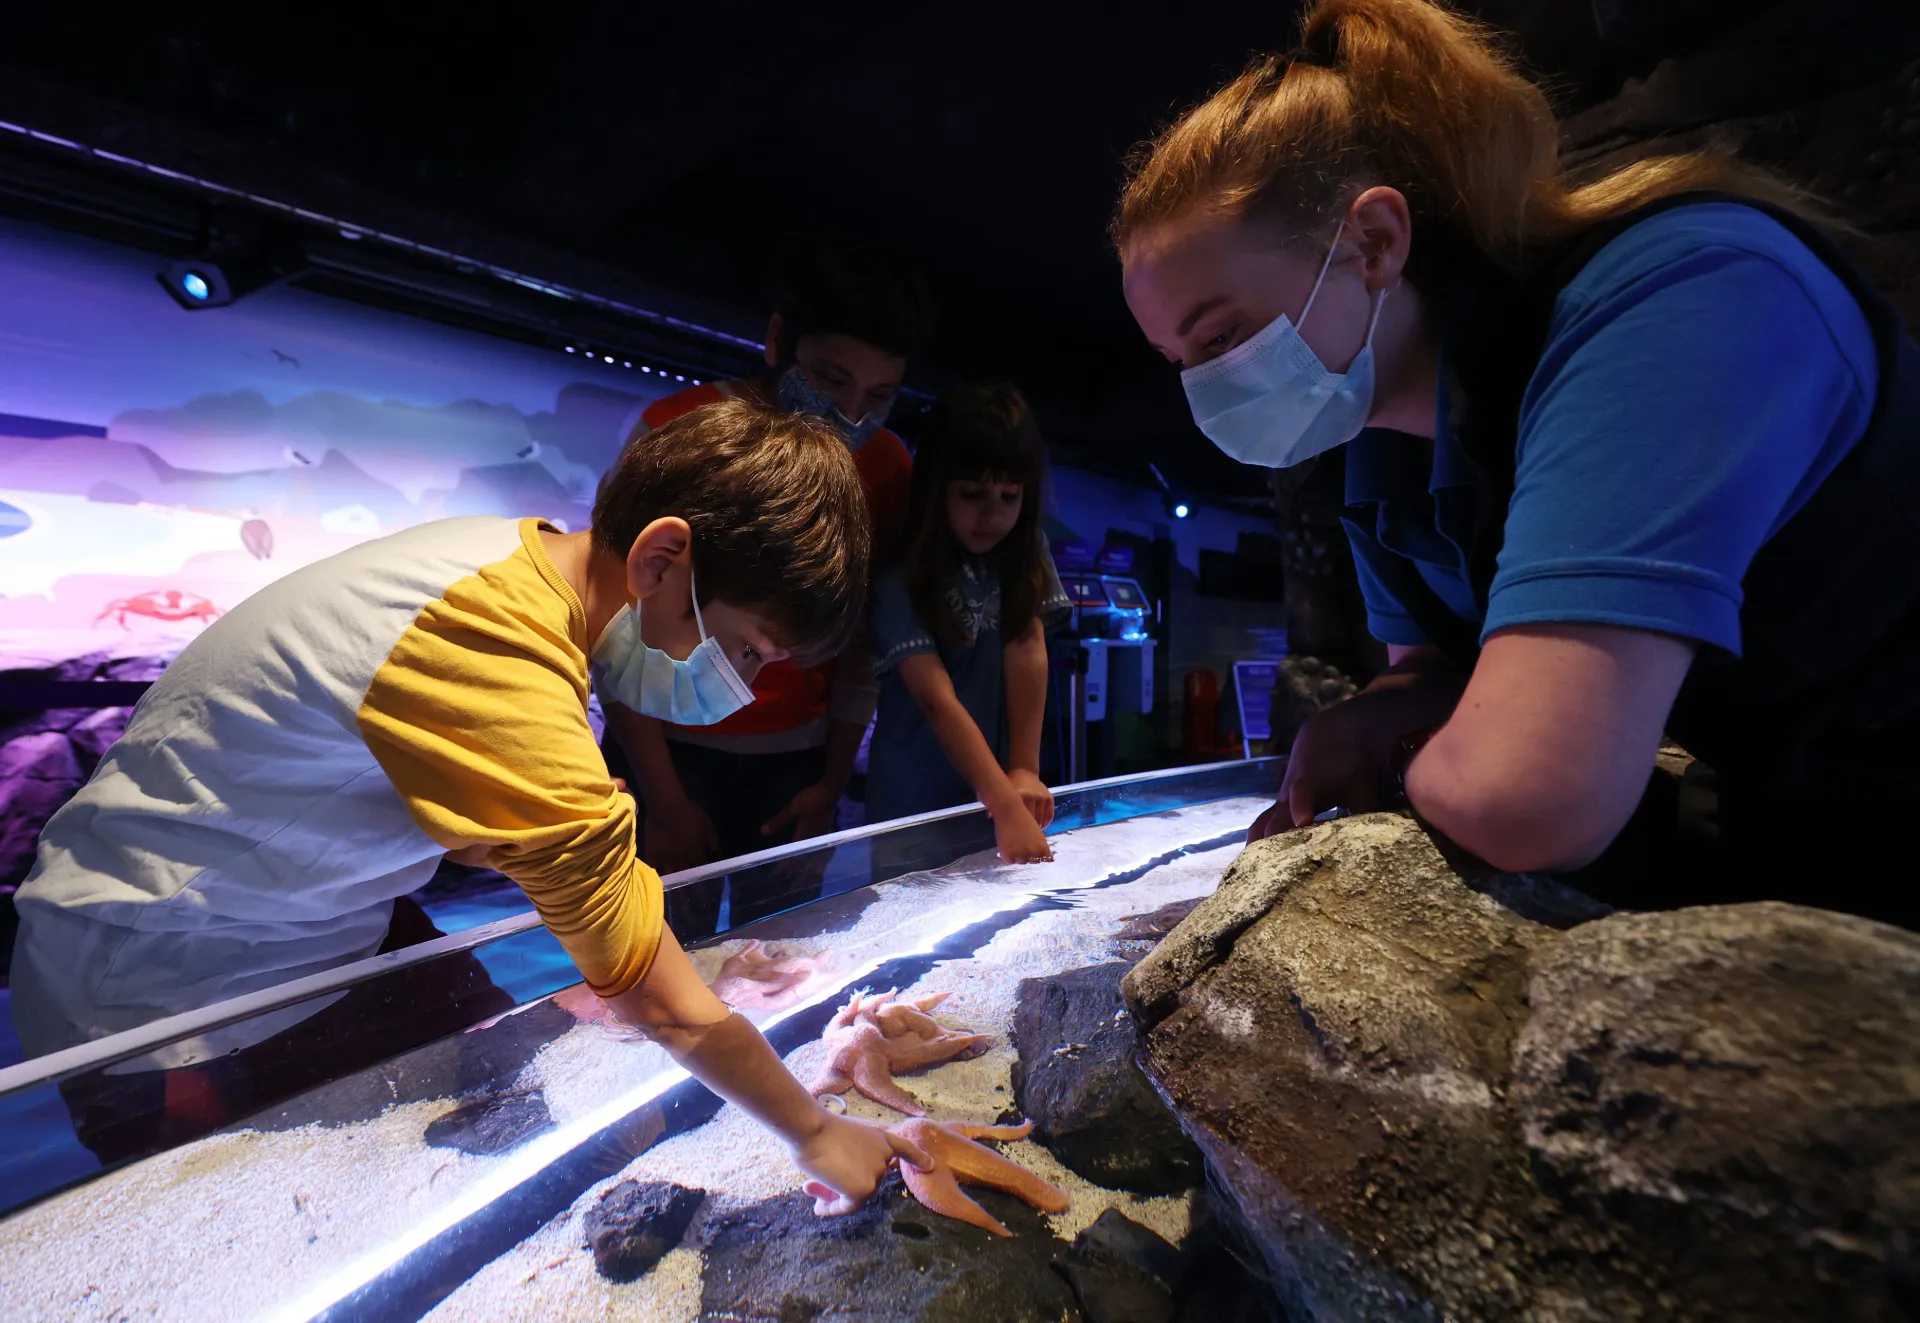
{"x": 693, "y": 590}
{"x": 1321, "y": 279}
{"x": 741, "y": 689}
{"x": 1379, "y": 304}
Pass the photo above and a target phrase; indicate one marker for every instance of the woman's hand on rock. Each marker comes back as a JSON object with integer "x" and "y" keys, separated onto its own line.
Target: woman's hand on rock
{"x": 1343, "y": 756}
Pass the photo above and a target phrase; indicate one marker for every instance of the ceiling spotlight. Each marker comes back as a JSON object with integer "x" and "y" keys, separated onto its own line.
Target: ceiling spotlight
{"x": 625, "y": 364}
{"x": 646, "y": 369}
{"x": 678, "y": 377}
{"x": 1179, "y": 507}
{"x": 196, "y": 284}
{"x": 571, "y": 349}
{"x": 220, "y": 273}
{"x": 608, "y": 357}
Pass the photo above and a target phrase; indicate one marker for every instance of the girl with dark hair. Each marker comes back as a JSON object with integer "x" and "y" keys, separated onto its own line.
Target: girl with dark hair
{"x": 959, "y": 626}
{"x": 1618, "y": 457}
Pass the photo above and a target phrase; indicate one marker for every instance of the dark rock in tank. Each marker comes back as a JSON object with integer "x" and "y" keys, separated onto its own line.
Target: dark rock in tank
{"x": 491, "y": 1125}
{"x": 1121, "y": 1272}
{"x": 1077, "y": 1080}
{"x": 1155, "y": 924}
{"x": 1223, "y": 1280}
{"x": 634, "y": 1226}
{"x": 892, "y": 1260}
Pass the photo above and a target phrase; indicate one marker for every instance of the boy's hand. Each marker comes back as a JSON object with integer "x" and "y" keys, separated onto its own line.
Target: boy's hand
{"x": 1033, "y": 793}
{"x": 847, "y": 1157}
{"x": 810, "y": 812}
{"x": 679, "y": 836}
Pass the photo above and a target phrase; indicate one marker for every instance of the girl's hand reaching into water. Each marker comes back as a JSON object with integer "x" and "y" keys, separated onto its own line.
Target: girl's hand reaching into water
{"x": 1033, "y": 793}
{"x": 1017, "y": 835}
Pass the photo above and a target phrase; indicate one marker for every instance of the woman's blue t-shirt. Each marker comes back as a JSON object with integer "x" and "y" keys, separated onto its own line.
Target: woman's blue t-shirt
{"x": 907, "y": 770}
{"x": 1702, "y": 377}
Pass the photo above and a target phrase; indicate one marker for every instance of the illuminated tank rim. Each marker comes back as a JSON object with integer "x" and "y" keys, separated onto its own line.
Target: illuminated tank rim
{"x": 136, "y": 1042}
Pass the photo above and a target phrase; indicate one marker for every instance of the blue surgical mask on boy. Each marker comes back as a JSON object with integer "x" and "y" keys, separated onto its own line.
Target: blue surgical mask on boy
{"x": 799, "y": 395}
{"x": 699, "y": 691}
{"x": 1271, "y": 401}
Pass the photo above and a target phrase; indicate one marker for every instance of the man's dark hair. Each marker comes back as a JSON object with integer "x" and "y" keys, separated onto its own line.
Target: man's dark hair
{"x": 839, "y": 284}
{"x": 779, "y": 517}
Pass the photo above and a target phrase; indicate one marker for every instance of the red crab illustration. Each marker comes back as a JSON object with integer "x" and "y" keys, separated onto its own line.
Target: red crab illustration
{"x": 171, "y": 604}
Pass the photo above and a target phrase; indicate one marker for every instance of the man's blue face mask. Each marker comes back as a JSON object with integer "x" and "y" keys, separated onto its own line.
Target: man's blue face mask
{"x": 798, "y": 394}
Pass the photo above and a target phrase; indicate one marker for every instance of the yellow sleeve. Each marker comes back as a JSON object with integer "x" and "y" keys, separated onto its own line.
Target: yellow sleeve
{"x": 478, "y": 717}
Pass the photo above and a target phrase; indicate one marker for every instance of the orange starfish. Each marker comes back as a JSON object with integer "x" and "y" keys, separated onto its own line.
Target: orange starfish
{"x": 871, "y": 1037}
{"x": 753, "y": 978}
{"x": 957, "y": 1158}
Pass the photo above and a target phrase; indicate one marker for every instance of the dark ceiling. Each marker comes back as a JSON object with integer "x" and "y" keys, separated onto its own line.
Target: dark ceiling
{"x": 674, "y": 144}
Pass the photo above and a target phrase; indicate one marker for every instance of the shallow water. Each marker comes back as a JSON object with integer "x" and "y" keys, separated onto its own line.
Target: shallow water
{"x": 360, "y": 1217}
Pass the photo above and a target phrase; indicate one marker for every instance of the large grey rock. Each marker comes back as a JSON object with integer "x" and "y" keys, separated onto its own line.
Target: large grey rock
{"x": 1425, "y": 1104}
{"x": 1333, "y": 1025}
{"x": 1730, "y": 1097}
{"x": 1077, "y": 1080}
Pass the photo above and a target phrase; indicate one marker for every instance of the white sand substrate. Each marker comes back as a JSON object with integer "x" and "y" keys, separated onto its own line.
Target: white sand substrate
{"x": 251, "y": 1225}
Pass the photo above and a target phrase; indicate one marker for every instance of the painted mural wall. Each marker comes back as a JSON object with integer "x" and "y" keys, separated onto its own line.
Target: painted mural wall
{"x": 158, "y": 465}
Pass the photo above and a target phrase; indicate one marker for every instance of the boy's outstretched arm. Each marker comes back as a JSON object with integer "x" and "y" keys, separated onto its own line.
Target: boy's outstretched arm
{"x": 504, "y": 759}
{"x": 723, "y": 1050}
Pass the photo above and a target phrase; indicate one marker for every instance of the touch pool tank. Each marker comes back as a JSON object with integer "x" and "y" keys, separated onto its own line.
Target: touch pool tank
{"x": 460, "y": 1178}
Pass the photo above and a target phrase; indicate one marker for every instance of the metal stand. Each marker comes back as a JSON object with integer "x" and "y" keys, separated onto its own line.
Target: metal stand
{"x": 1076, "y": 750}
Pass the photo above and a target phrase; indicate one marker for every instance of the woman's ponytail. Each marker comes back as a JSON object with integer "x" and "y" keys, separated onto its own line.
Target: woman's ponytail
{"x": 1404, "y": 93}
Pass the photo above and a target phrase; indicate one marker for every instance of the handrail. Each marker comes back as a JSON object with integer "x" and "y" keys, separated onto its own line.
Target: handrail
{"x": 147, "y": 1037}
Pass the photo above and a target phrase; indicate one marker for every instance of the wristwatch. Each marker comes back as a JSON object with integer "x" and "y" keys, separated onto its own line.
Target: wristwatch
{"x": 1403, "y": 752}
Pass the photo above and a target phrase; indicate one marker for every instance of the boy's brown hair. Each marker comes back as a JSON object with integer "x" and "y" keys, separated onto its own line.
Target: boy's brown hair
{"x": 779, "y": 517}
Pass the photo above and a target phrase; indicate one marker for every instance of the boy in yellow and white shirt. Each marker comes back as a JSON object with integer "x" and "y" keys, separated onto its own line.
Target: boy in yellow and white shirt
{"x": 312, "y": 756}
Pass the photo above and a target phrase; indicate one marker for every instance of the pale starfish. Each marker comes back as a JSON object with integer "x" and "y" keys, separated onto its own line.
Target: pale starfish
{"x": 753, "y": 978}
{"x": 957, "y": 1158}
{"x": 873, "y": 1036}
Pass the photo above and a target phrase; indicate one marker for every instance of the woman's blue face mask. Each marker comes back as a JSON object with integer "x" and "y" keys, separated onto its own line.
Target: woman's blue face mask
{"x": 1271, "y": 401}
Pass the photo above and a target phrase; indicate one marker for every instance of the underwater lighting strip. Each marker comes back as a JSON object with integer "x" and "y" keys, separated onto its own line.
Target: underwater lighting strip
{"x": 206, "y": 1019}
{"x": 354, "y": 230}
{"x": 529, "y": 1161}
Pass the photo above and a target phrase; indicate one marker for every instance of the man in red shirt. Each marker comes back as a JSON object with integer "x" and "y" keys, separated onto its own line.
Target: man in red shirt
{"x": 847, "y": 316}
